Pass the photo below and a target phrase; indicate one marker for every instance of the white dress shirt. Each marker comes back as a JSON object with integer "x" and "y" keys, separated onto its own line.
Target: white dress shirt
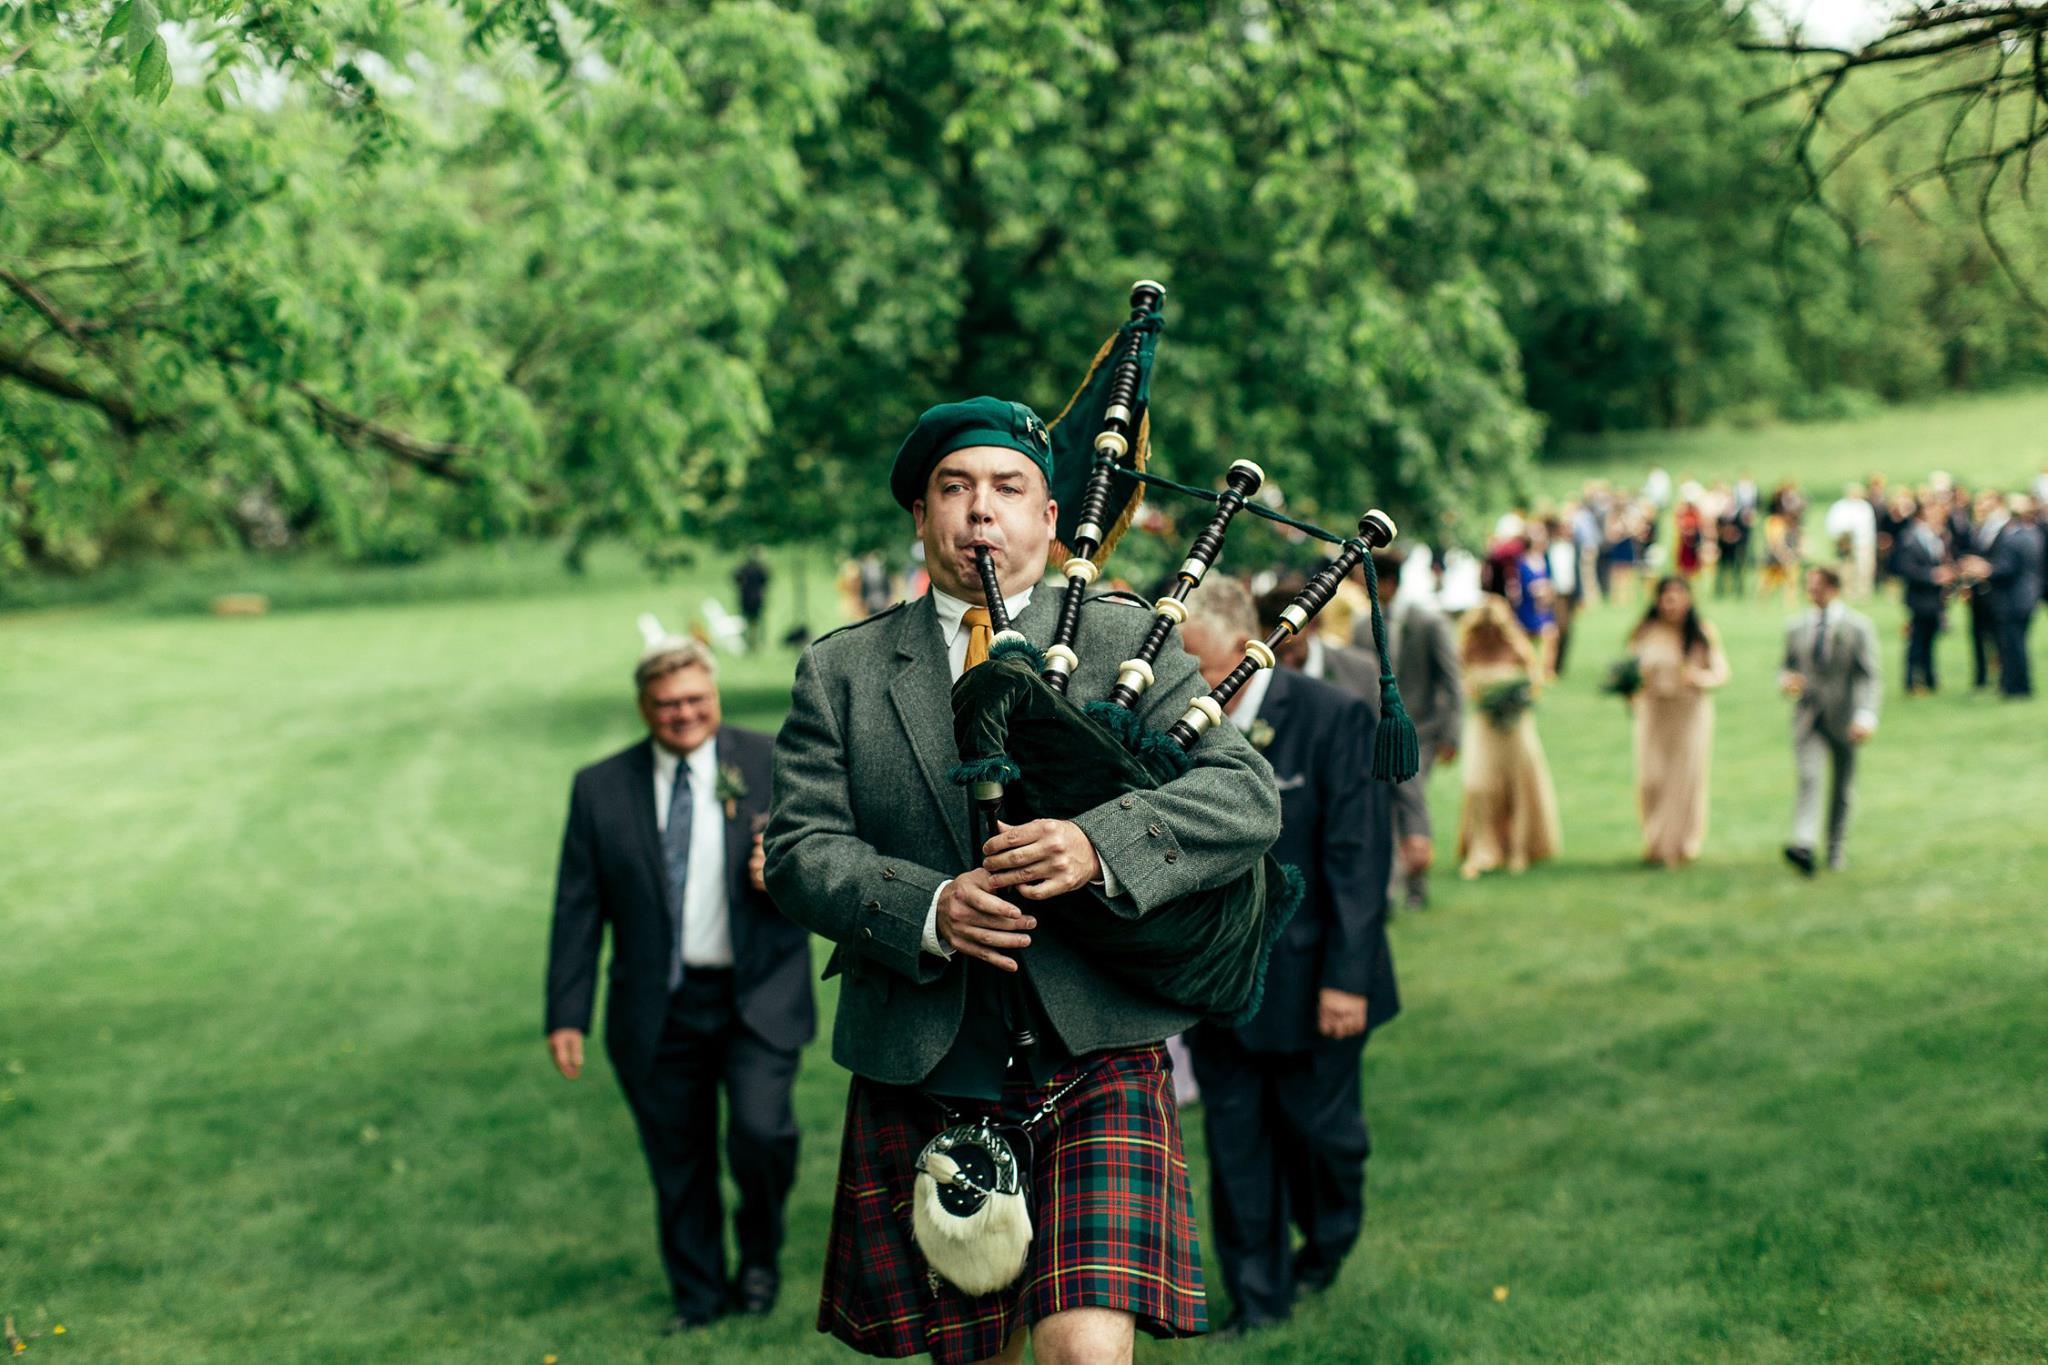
{"x": 1244, "y": 710}
{"x": 952, "y": 624}
{"x": 707, "y": 920}
{"x": 1314, "y": 664}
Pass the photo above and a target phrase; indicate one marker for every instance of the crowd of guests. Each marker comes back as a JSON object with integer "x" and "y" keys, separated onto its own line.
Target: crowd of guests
{"x": 1944, "y": 550}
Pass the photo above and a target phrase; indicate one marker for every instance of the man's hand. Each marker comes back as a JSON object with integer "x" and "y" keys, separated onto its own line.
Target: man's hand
{"x": 1042, "y": 859}
{"x": 1447, "y": 753}
{"x": 1416, "y": 854}
{"x": 1858, "y": 731}
{"x": 974, "y": 920}
{"x": 1791, "y": 684}
{"x": 1340, "y": 1014}
{"x": 565, "y": 1045}
{"x": 757, "y": 865}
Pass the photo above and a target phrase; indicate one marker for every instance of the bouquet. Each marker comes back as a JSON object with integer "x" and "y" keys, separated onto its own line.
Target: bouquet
{"x": 1504, "y": 702}
{"x": 1624, "y": 677}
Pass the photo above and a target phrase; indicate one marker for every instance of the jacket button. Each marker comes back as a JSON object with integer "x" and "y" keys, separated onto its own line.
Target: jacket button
{"x": 1126, "y": 803}
{"x": 888, "y": 874}
{"x": 1172, "y": 856}
{"x": 874, "y": 905}
{"x": 1152, "y": 830}
{"x": 867, "y": 933}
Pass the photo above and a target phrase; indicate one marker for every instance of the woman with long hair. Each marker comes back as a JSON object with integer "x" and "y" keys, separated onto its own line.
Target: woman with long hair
{"x": 1682, "y": 663}
{"x": 1510, "y": 814}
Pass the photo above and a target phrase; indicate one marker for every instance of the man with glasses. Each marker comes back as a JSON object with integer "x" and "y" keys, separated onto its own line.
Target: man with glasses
{"x": 709, "y": 983}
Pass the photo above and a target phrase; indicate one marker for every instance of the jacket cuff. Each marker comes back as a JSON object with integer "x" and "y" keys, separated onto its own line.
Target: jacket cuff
{"x": 889, "y": 925}
{"x": 1134, "y": 845}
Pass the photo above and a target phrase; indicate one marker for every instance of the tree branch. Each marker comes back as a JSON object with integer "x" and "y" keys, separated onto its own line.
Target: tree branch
{"x": 117, "y": 410}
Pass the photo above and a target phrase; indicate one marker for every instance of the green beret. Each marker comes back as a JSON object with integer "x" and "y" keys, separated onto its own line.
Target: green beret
{"x": 957, "y": 426}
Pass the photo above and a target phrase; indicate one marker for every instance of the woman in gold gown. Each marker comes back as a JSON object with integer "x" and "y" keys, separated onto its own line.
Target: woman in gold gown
{"x": 1682, "y": 663}
{"x": 1510, "y": 813}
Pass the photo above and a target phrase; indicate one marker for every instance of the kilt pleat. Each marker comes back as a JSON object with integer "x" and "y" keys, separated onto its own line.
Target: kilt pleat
{"x": 1110, "y": 1205}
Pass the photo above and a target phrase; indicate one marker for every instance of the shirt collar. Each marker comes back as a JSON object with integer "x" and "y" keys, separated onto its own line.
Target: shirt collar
{"x": 1831, "y": 613}
{"x": 702, "y": 759}
{"x": 952, "y": 611}
{"x": 1317, "y": 662}
{"x": 1250, "y": 698}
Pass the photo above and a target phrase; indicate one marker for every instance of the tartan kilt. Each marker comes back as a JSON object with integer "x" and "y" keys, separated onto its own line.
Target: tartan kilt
{"x": 1112, "y": 1218}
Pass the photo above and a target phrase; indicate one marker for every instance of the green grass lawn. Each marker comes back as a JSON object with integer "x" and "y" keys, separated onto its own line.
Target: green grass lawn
{"x": 273, "y": 900}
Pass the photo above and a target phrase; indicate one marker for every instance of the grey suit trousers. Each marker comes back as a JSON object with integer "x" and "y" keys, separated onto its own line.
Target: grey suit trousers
{"x": 1814, "y": 751}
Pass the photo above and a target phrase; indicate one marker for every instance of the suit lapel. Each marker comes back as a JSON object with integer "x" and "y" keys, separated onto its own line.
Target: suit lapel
{"x": 647, "y": 832}
{"x": 921, "y": 693}
{"x": 739, "y": 845}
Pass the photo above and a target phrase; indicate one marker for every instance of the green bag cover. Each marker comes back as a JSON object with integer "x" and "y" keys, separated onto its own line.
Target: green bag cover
{"x": 1205, "y": 952}
{"x": 1073, "y": 440}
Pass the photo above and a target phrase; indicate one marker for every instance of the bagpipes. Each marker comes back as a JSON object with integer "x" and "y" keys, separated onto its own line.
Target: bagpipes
{"x": 1029, "y": 752}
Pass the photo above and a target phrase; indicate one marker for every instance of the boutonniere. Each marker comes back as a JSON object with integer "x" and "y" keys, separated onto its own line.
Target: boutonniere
{"x": 1261, "y": 734}
{"x": 732, "y": 788}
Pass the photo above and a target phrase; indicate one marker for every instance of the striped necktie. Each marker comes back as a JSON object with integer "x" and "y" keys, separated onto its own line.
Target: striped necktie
{"x": 675, "y": 852}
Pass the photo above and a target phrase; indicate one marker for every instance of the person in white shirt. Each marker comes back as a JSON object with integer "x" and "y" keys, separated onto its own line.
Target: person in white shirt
{"x": 710, "y": 986}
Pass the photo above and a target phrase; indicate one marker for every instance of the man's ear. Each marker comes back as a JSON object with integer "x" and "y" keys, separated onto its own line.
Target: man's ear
{"x": 917, "y": 517}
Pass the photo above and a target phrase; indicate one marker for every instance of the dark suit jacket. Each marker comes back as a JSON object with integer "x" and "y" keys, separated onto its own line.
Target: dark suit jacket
{"x": 2015, "y": 559}
{"x": 613, "y": 873}
{"x": 1915, "y": 561}
{"x": 1336, "y": 827}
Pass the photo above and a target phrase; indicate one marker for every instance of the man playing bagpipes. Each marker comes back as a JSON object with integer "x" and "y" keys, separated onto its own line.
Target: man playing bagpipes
{"x": 1012, "y": 1161}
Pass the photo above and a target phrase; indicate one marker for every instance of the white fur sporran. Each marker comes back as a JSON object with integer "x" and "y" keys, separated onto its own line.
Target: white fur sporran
{"x": 968, "y": 1212}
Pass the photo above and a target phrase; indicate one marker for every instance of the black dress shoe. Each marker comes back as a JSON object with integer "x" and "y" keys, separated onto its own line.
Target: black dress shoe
{"x": 755, "y": 1293}
{"x": 1801, "y": 858}
{"x": 1237, "y": 1326}
{"x": 681, "y": 1323}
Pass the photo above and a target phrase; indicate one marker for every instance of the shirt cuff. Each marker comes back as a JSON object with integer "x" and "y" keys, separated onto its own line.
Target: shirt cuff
{"x": 1111, "y": 887}
{"x": 1867, "y": 719}
{"x": 931, "y": 942}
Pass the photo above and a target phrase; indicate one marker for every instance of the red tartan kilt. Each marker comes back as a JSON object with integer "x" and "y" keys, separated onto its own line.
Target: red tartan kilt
{"x": 1113, "y": 1220}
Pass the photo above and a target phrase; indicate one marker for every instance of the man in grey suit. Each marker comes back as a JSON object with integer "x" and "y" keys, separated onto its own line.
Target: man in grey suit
{"x": 1831, "y": 674}
{"x": 868, "y": 845}
{"x": 1425, "y": 651}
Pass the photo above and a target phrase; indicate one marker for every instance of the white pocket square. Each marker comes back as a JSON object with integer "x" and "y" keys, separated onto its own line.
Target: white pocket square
{"x": 1288, "y": 784}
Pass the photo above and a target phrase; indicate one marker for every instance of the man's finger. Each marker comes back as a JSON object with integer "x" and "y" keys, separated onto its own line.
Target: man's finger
{"x": 1034, "y": 871}
{"x": 984, "y": 902}
{"x": 1017, "y": 836}
{"x": 992, "y": 938}
{"x": 988, "y": 955}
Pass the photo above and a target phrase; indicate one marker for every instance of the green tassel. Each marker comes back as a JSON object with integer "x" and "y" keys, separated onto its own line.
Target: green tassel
{"x": 998, "y": 768}
{"x": 1396, "y": 753}
{"x": 1020, "y": 649}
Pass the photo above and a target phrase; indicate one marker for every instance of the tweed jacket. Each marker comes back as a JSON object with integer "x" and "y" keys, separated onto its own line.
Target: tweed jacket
{"x": 866, "y": 826}
{"x": 1844, "y": 684}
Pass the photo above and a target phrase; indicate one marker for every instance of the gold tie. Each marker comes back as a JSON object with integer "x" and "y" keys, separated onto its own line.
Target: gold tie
{"x": 978, "y": 635}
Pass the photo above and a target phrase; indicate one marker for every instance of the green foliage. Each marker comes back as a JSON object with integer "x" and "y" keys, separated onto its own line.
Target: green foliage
{"x": 375, "y": 276}
{"x": 1745, "y": 294}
